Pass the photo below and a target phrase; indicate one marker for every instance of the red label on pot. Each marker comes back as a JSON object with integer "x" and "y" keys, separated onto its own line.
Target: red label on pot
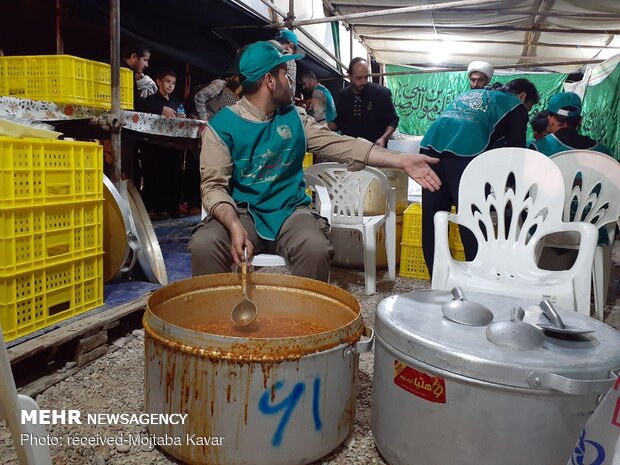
{"x": 431, "y": 388}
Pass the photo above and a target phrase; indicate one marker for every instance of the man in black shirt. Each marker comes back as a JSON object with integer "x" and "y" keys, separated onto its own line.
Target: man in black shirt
{"x": 365, "y": 109}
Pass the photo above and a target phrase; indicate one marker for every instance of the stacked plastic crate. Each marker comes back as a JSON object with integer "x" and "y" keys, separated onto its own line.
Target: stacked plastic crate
{"x": 412, "y": 264}
{"x": 51, "y": 232}
{"x": 63, "y": 79}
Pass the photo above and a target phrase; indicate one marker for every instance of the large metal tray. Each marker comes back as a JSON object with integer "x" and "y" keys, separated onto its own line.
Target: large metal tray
{"x": 149, "y": 256}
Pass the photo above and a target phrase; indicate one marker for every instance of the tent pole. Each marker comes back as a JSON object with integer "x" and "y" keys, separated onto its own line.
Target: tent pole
{"x": 498, "y": 42}
{"x": 391, "y": 11}
{"x": 303, "y": 31}
{"x": 115, "y": 68}
{"x": 464, "y": 68}
{"x": 60, "y": 46}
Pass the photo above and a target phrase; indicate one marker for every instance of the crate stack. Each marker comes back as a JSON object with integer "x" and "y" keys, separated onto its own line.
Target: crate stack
{"x": 51, "y": 232}
{"x": 63, "y": 79}
{"x": 412, "y": 264}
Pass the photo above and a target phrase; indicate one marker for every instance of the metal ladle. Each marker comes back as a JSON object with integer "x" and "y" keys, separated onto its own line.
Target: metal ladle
{"x": 244, "y": 313}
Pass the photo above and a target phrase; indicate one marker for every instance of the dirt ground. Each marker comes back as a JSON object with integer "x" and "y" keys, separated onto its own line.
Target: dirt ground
{"x": 115, "y": 383}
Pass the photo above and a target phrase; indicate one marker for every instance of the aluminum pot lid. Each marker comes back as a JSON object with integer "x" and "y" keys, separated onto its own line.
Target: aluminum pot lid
{"x": 149, "y": 256}
{"x": 415, "y": 325}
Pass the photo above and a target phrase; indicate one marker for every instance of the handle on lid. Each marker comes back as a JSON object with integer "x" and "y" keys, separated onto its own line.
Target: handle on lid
{"x": 570, "y": 385}
{"x": 551, "y": 313}
{"x": 457, "y": 293}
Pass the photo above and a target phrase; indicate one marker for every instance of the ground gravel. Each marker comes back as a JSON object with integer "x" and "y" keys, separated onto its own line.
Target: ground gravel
{"x": 115, "y": 383}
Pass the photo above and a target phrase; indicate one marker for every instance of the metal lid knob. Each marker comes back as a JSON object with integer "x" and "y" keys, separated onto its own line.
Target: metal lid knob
{"x": 465, "y": 312}
{"x": 515, "y": 334}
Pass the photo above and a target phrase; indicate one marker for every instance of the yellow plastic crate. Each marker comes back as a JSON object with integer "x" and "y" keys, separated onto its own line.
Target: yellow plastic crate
{"x": 39, "y": 298}
{"x": 32, "y": 238}
{"x": 62, "y": 79}
{"x": 308, "y": 160}
{"x": 35, "y": 172}
{"x": 454, "y": 237}
{"x": 412, "y": 225}
{"x": 412, "y": 264}
{"x": 101, "y": 80}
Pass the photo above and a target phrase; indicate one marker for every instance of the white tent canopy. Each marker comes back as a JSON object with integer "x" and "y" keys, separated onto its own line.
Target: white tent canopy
{"x": 508, "y": 33}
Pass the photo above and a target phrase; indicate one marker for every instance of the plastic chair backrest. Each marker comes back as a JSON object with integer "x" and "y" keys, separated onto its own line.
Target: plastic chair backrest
{"x": 347, "y": 189}
{"x": 510, "y": 198}
{"x": 592, "y": 183}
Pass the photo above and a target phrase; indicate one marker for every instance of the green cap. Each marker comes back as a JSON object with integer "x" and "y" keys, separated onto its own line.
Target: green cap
{"x": 259, "y": 58}
{"x": 287, "y": 36}
{"x": 565, "y": 104}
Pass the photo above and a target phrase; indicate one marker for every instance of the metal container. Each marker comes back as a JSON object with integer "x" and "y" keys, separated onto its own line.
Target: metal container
{"x": 288, "y": 400}
{"x": 445, "y": 394}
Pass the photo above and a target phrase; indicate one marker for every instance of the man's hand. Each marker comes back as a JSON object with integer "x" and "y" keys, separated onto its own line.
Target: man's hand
{"x": 418, "y": 168}
{"x": 238, "y": 241}
{"x": 168, "y": 112}
{"x": 226, "y": 214}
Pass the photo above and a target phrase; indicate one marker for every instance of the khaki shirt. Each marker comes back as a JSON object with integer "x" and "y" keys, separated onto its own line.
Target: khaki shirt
{"x": 216, "y": 163}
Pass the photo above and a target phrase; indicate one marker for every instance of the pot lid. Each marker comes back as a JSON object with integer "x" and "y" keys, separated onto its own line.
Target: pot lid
{"x": 149, "y": 256}
{"x": 115, "y": 231}
{"x": 414, "y": 324}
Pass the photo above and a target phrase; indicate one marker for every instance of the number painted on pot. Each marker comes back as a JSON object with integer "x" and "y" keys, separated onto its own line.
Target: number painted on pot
{"x": 288, "y": 404}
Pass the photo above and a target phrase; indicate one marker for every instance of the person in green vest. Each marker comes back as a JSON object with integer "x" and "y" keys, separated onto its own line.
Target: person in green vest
{"x": 323, "y": 108}
{"x": 564, "y": 120}
{"x": 476, "y": 121}
{"x": 252, "y": 183}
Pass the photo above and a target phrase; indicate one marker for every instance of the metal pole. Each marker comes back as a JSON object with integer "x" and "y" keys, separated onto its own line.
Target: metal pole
{"x": 391, "y": 11}
{"x": 115, "y": 68}
{"x": 461, "y": 68}
{"x": 60, "y": 46}
{"x": 308, "y": 35}
{"x": 497, "y": 42}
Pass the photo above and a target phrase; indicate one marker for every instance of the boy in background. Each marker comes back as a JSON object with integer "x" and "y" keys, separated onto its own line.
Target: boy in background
{"x": 161, "y": 166}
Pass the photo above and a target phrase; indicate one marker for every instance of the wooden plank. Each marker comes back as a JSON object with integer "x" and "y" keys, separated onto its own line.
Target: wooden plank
{"x": 74, "y": 329}
{"x": 91, "y": 342}
{"x": 42, "y": 384}
{"x": 83, "y": 358}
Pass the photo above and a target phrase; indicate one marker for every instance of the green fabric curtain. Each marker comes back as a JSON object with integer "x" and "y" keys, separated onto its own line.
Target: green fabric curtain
{"x": 601, "y": 116}
{"x": 420, "y": 98}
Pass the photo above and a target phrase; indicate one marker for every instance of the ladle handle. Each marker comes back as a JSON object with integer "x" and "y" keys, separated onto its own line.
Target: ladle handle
{"x": 244, "y": 278}
{"x": 550, "y": 312}
{"x": 457, "y": 293}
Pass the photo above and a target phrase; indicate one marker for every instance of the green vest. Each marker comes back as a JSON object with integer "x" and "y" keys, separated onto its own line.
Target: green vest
{"x": 550, "y": 145}
{"x": 465, "y": 126}
{"x": 330, "y": 106}
{"x": 267, "y": 158}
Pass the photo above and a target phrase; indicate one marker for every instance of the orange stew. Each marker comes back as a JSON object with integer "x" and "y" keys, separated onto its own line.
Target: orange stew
{"x": 267, "y": 326}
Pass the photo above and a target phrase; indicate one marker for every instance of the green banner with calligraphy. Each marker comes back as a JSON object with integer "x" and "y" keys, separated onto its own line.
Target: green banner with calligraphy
{"x": 420, "y": 98}
{"x": 601, "y": 116}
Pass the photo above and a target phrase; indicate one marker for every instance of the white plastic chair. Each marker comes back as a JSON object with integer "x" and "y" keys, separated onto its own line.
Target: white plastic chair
{"x": 524, "y": 191}
{"x": 322, "y": 204}
{"x": 11, "y": 406}
{"x": 347, "y": 190}
{"x": 592, "y": 182}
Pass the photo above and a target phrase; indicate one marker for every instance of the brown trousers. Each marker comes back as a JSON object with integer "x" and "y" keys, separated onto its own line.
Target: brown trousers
{"x": 304, "y": 242}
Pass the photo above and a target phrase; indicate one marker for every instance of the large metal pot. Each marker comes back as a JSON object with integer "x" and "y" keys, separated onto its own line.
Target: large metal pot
{"x": 288, "y": 400}
{"x": 443, "y": 393}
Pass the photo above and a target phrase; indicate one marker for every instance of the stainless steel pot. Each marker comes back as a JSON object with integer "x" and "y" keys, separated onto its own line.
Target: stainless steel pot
{"x": 287, "y": 400}
{"x": 443, "y": 393}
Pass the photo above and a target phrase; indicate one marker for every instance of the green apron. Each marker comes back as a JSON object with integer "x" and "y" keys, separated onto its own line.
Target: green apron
{"x": 466, "y": 125}
{"x": 330, "y": 106}
{"x": 267, "y": 158}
